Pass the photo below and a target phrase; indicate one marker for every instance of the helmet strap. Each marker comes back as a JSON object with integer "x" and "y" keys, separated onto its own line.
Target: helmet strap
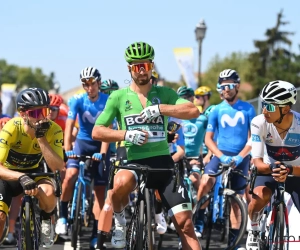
{"x": 281, "y": 116}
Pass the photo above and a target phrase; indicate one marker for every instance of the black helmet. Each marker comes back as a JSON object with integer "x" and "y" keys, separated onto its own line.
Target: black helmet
{"x": 32, "y": 98}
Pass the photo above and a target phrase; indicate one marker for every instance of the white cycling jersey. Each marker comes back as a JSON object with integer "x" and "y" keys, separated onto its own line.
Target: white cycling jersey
{"x": 266, "y": 137}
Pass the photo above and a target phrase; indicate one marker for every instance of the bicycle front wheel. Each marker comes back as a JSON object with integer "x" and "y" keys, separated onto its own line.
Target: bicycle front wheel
{"x": 234, "y": 217}
{"x": 277, "y": 232}
{"x": 76, "y": 224}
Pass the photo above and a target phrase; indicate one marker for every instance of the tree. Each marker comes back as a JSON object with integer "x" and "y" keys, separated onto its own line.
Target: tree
{"x": 237, "y": 61}
{"x": 273, "y": 59}
{"x": 25, "y": 76}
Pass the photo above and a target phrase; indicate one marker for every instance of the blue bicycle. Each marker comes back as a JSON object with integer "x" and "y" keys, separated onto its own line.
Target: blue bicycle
{"x": 79, "y": 212}
{"x": 220, "y": 200}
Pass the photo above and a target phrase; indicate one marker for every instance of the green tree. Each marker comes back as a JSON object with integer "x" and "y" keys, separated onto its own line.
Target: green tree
{"x": 236, "y": 60}
{"x": 25, "y": 76}
{"x": 273, "y": 59}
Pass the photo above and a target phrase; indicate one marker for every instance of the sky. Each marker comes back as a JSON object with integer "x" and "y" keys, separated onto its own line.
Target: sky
{"x": 65, "y": 36}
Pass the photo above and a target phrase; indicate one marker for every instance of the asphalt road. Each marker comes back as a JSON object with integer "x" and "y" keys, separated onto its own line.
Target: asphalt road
{"x": 170, "y": 242}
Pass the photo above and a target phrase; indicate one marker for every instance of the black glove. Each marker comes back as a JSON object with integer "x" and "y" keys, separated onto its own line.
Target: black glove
{"x": 27, "y": 183}
{"x": 41, "y": 129}
{"x": 173, "y": 127}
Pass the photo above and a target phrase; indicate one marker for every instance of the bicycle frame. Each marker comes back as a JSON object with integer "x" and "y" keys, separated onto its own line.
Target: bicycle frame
{"x": 217, "y": 200}
{"x": 80, "y": 179}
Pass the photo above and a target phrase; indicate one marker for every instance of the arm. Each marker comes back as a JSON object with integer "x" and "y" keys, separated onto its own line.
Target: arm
{"x": 54, "y": 160}
{"x": 68, "y": 137}
{"x": 179, "y": 154}
{"x": 105, "y": 145}
{"x": 9, "y": 175}
{"x": 184, "y": 111}
{"x": 212, "y": 145}
{"x": 101, "y": 130}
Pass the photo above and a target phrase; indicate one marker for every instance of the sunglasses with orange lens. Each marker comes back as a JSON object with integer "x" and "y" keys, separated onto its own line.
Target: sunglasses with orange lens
{"x": 37, "y": 112}
{"x": 141, "y": 66}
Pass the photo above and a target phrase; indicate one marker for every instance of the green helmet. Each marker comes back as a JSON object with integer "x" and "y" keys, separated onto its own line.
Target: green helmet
{"x": 209, "y": 109}
{"x": 139, "y": 51}
{"x": 185, "y": 91}
{"x": 108, "y": 86}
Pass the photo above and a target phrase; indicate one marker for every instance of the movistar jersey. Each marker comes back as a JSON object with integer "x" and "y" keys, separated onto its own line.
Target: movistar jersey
{"x": 267, "y": 141}
{"x": 124, "y": 104}
{"x": 19, "y": 151}
{"x": 87, "y": 111}
{"x": 232, "y": 123}
{"x": 194, "y": 131}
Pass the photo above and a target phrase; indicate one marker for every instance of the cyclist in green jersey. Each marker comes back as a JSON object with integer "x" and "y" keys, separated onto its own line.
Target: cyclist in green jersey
{"x": 142, "y": 110}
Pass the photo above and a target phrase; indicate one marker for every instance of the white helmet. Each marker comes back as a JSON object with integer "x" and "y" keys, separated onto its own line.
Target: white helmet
{"x": 229, "y": 74}
{"x": 89, "y": 72}
{"x": 279, "y": 92}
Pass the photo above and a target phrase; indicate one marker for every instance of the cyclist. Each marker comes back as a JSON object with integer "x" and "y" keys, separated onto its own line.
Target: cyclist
{"x": 154, "y": 77}
{"x": 194, "y": 131}
{"x": 32, "y": 137}
{"x": 145, "y": 106}
{"x": 275, "y": 131}
{"x": 231, "y": 119}
{"x": 202, "y": 96}
{"x": 88, "y": 106}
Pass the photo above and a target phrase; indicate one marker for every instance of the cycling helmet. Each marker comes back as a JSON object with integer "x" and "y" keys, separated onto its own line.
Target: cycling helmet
{"x": 32, "y": 98}
{"x": 203, "y": 90}
{"x": 89, "y": 72}
{"x": 209, "y": 109}
{"x": 229, "y": 74}
{"x": 139, "y": 51}
{"x": 279, "y": 92}
{"x": 55, "y": 100}
{"x": 4, "y": 120}
{"x": 109, "y": 85}
{"x": 185, "y": 91}
{"x": 154, "y": 74}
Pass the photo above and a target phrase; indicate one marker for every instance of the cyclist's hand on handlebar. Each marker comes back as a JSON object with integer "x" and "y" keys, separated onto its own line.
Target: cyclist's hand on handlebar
{"x": 97, "y": 157}
{"x": 137, "y": 137}
{"x": 280, "y": 171}
{"x": 237, "y": 160}
{"x": 29, "y": 186}
{"x": 71, "y": 154}
{"x": 224, "y": 159}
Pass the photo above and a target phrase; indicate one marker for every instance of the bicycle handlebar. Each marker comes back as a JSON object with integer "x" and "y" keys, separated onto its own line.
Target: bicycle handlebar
{"x": 87, "y": 157}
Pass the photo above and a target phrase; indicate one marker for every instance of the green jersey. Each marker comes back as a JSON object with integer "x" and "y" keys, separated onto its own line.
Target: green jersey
{"x": 125, "y": 105}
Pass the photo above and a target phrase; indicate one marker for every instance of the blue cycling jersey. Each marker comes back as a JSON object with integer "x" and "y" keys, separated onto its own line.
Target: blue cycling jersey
{"x": 232, "y": 123}
{"x": 87, "y": 111}
{"x": 194, "y": 131}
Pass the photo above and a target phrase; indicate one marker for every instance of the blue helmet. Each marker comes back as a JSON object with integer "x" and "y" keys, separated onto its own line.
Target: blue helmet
{"x": 229, "y": 74}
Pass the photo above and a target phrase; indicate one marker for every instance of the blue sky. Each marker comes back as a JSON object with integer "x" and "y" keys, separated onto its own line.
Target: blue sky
{"x": 65, "y": 36}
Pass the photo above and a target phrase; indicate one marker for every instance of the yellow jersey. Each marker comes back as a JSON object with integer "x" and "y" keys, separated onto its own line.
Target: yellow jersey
{"x": 18, "y": 151}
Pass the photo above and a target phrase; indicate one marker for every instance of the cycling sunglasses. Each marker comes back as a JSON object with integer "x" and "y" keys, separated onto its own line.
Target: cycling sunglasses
{"x": 270, "y": 107}
{"x": 54, "y": 108}
{"x": 88, "y": 84}
{"x": 37, "y": 112}
{"x": 141, "y": 66}
{"x": 229, "y": 86}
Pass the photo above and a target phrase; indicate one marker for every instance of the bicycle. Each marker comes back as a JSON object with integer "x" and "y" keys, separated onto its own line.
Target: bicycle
{"x": 276, "y": 239}
{"x": 220, "y": 200}
{"x": 79, "y": 213}
{"x": 30, "y": 224}
{"x": 141, "y": 229}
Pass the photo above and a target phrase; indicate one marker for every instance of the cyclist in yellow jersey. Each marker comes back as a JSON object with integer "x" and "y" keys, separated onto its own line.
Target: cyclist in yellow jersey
{"x": 24, "y": 141}
{"x": 202, "y": 96}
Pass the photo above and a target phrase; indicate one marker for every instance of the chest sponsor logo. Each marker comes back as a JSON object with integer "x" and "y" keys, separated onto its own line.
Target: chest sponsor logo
{"x": 232, "y": 122}
{"x": 292, "y": 139}
{"x": 269, "y": 138}
{"x": 155, "y": 127}
{"x": 3, "y": 141}
{"x": 128, "y": 105}
{"x": 88, "y": 117}
{"x": 190, "y": 129}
